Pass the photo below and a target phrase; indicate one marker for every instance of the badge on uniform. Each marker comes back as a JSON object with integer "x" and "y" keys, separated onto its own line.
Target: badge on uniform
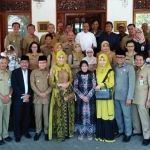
{"x": 9, "y": 82}
{"x": 37, "y": 79}
{"x": 141, "y": 81}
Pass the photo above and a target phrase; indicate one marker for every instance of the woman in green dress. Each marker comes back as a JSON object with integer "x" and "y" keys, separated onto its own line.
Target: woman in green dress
{"x": 62, "y": 109}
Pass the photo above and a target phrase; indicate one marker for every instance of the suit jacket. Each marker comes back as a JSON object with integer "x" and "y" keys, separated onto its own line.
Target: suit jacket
{"x": 17, "y": 83}
{"x": 124, "y": 82}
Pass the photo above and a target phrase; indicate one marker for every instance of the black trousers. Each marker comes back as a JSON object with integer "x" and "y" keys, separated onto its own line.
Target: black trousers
{"x": 21, "y": 115}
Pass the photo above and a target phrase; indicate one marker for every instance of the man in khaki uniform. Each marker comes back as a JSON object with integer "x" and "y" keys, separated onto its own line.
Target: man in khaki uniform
{"x": 5, "y": 100}
{"x": 51, "y": 30}
{"x": 141, "y": 100}
{"x": 41, "y": 88}
{"x": 14, "y": 39}
{"x": 46, "y": 49}
{"x": 145, "y": 31}
{"x": 131, "y": 30}
{"x": 69, "y": 45}
{"x": 63, "y": 38}
{"x": 60, "y": 29}
{"x": 29, "y": 38}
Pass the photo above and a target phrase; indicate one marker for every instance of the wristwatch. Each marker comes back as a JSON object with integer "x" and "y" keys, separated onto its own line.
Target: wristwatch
{"x": 9, "y": 96}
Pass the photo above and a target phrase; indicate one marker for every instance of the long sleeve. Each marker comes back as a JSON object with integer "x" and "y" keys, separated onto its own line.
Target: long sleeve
{"x": 92, "y": 91}
{"x": 110, "y": 80}
{"x": 14, "y": 83}
{"x": 48, "y": 90}
{"x": 72, "y": 63}
{"x": 94, "y": 43}
{"x": 131, "y": 77}
{"x": 33, "y": 86}
{"x": 70, "y": 74}
{"x": 77, "y": 39}
{"x": 76, "y": 90}
{"x": 52, "y": 80}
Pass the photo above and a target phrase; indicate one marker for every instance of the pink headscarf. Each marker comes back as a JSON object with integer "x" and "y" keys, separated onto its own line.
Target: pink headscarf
{"x": 139, "y": 36}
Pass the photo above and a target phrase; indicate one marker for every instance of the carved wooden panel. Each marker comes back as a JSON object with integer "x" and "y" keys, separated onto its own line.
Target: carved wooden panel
{"x": 141, "y": 4}
{"x": 15, "y": 6}
{"x": 76, "y": 5}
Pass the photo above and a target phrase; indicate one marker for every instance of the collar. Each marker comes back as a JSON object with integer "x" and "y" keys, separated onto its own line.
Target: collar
{"x": 42, "y": 69}
{"x": 72, "y": 43}
{"x": 124, "y": 64}
{"x": 14, "y": 34}
{"x": 48, "y": 46}
{"x": 32, "y": 36}
{"x": 4, "y": 71}
{"x": 34, "y": 54}
{"x": 142, "y": 67}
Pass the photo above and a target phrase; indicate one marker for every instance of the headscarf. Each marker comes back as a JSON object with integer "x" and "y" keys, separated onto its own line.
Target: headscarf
{"x": 81, "y": 63}
{"x": 78, "y": 55}
{"x": 139, "y": 36}
{"x": 101, "y": 71}
{"x": 105, "y": 52}
{"x": 59, "y": 53}
{"x": 90, "y": 60}
{"x": 55, "y": 52}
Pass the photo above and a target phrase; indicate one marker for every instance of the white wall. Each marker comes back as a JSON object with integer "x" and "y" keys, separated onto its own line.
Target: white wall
{"x": 116, "y": 12}
{"x": 46, "y": 13}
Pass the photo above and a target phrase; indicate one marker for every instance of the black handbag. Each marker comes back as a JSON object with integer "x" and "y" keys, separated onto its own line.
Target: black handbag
{"x": 104, "y": 93}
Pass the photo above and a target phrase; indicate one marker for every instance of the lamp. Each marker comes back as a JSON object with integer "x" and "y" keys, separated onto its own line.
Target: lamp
{"x": 39, "y": 3}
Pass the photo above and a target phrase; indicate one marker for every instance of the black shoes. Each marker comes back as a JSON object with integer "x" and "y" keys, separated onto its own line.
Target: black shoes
{"x": 2, "y": 142}
{"x": 8, "y": 139}
{"x": 146, "y": 142}
{"x": 118, "y": 135}
{"x": 17, "y": 139}
{"x": 46, "y": 137}
{"x": 36, "y": 137}
{"x": 126, "y": 138}
{"x": 28, "y": 136}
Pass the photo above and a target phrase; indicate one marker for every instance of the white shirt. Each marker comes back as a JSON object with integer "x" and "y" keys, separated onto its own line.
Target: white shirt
{"x": 25, "y": 79}
{"x": 86, "y": 40}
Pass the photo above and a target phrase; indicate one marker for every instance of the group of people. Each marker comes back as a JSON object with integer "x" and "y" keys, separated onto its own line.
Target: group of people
{"x": 60, "y": 74}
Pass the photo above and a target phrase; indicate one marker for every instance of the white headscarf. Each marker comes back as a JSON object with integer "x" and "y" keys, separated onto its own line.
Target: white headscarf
{"x": 90, "y": 60}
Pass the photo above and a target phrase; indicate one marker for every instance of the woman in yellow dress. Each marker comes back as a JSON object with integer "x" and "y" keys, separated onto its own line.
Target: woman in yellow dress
{"x": 104, "y": 108}
{"x": 33, "y": 54}
{"x": 62, "y": 110}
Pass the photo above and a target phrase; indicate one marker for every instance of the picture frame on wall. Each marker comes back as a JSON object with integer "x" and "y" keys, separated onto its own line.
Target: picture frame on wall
{"x": 117, "y": 23}
{"x": 42, "y": 26}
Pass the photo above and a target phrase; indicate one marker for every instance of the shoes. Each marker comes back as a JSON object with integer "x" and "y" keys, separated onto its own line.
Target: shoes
{"x": 46, "y": 137}
{"x": 89, "y": 137}
{"x": 2, "y": 142}
{"x": 17, "y": 139}
{"x": 139, "y": 134}
{"x": 80, "y": 137}
{"x": 146, "y": 142}
{"x": 126, "y": 138}
{"x": 8, "y": 139}
{"x": 28, "y": 136}
{"x": 119, "y": 134}
{"x": 36, "y": 137}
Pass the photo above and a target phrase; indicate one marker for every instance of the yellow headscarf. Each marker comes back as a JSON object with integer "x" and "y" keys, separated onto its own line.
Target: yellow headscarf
{"x": 79, "y": 56}
{"x": 101, "y": 71}
{"x": 55, "y": 52}
{"x": 59, "y": 53}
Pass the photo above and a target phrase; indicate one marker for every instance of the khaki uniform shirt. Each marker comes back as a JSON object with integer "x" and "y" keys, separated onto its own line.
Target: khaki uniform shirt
{"x": 54, "y": 40}
{"x": 148, "y": 37}
{"x": 46, "y": 50}
{"x": 39, "y": 84}
{"x": 28, "y": 39}
{"x": 68, "y": 48}
{"x": 130, "y": 58}
{"x": 33, "y": 58}
{"x": 63, "y": 38}
{"x": 5, "y": 84}
{"x": 142, "y": 84}
{"x": 124, "y": 41}
{"x": 16, "y": 41}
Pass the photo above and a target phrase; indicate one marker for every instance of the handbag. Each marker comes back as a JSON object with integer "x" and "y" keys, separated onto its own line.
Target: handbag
{"x": 104, "y": 93}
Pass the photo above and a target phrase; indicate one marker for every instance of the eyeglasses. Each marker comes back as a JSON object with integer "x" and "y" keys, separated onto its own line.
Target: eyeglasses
{"x": 120, "y": 57}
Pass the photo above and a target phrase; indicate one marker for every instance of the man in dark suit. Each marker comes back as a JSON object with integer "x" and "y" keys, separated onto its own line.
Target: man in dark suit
{"x": 22, "y": 95}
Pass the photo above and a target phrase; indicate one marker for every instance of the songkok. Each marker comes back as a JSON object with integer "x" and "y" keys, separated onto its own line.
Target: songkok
{"x": 24, "y": 57}
{"x": 121, "y": 52}
{"x": 42, "y": 58}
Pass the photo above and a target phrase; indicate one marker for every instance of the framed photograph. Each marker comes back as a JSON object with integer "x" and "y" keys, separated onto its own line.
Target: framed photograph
{"x": 42, "y": 26}
{"x": 117, "y": 23}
